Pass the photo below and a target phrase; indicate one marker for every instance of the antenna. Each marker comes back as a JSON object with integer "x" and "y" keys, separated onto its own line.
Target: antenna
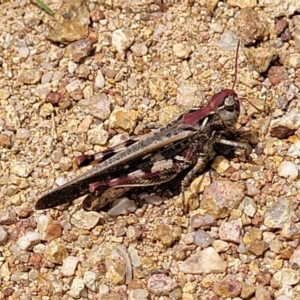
{"x": 236, "y": 63}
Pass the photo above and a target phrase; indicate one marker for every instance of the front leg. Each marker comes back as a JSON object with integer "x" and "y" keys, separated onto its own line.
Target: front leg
{"x": 203, "y": 159}
{"x": 246, "y": 147}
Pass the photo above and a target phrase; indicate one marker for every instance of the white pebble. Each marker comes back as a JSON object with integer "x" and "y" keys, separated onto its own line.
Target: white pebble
{"x": 99, "y": 80}
{"x": 288, "y": 169}
{"x": 69, "y": 265}
{"x": 27, "y": 241}
{"x": 3, "y": 235}
{"x": 91, "y": 280}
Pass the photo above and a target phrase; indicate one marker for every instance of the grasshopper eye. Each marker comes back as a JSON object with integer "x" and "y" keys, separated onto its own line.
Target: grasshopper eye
{"x": 230, "y": 103}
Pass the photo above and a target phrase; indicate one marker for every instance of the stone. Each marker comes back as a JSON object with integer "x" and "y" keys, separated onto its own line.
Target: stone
{"x": 182, "y": 50}
{"x": 220, "y": 164}
{"x": 231, "y": 231}
{"x": 85, "y": 124}
{"x": 294, "y": 150}
{"x": 70, "y": 22}
{"x": 85, "y": 219}
{"x": 161, "y": 284}
{"x": 185, "y": 70}
{"x": 189, "y": 96}
{"x": 139, "y": 49}
{"x": 206, "y": 261}
{"x": 279, "y": 213}
{"x": 287, "y": 276}
{"x": 286, "y": 125}
{"x": 91, "y": 280}
{"x": 251, "y": 27}
{"x": 122, "y": 39}
{"x": 228, "y": 41}
{"x": 261, "y": 58}
{"x": 221, "y": 197}
{"x": 204, "y": 222}
{"x": 291, "y": 230}
{"x": 77, "y": 288}
{"x": 116, "y": 273}
{"x": 229, "y": 287}
{"x": 288, "y": 169}
{"x": 78, "y": 50}
{"x": 293, "y": 60}
{"x": 69, "y": 265}
{"x": 277, "y": 74}
{"x": 122, "y": 120}
{"x": 99, "y": 106}
{"x": 56, "y": 252}
{"x": 157, "y": 88}
{"x": 98, "y": 135}
{"x": 202, "y": 238}
{"x": 257, "y": 247}
{"x": 295, "y": 258}
{"x": 99, "y": 80}
{"x": 167, "y": 234}
{"x": 3, "y": 235}
{"x": 30, "y": 76}
{"x": 28, "y": 240}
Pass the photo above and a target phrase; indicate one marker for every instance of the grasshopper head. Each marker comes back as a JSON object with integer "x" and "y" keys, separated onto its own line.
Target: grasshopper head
{"x": 229, "y": 111}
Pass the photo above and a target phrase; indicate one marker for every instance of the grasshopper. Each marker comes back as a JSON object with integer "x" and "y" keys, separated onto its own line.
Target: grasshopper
{"x": 188, "y": 142}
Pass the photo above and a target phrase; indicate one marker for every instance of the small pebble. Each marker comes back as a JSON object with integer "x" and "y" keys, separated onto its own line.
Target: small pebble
{"x": 288, "y": 169}
{"x": 182, "y": 50}
{"x": 3, "y": 235}
{"x": 69, "y": 265}
{"x": 85, "y": 219}
{"x": 205, "y": 261}
{"x": 161, "y": 284}
{"x": 30, "y": 239}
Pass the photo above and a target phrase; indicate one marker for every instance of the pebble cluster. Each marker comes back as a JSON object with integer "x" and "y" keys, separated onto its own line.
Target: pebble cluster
{"x": 98, "y": 72}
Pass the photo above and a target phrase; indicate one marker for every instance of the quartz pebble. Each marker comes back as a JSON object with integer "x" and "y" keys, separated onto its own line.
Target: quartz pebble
{"x": 91, "y": 280}
{"x": 77, "y": 288}
{"x": 182, "y": 50}
{"x": 221, "y": 197}
{"x": 122, "y": 39}
{"x": 231, "y": 231}
{"x": 287, "y": 276}
{"x": 205, "y": 261}
{"x": 202, "y": 239}
{"x": 161, "y": 284}
{"x": 69, "y": 265}
{"x": 3, "y": 235}
{"x": 97, "y": 135}
{"x": 27, "y": 241}
{"x": 288, "y": 169}
{"x": 279, "y": 213}
{"x": 85, "y": 219}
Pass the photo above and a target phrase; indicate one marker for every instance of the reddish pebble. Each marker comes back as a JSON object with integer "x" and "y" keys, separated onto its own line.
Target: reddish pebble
{"x": 53, "y": 97}
{"x": 277, "y": 74}
{"x": 280, "y": 26}
{"x": 53, "y": 231}
{"x": 161, "y": 284}
{"x": 35, "y": 259}
{"x": 97, "y": 15}
{"x": 204, "y": 222}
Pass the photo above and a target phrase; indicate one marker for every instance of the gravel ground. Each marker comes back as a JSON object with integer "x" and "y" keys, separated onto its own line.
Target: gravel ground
{"x": 99, "y": 72}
